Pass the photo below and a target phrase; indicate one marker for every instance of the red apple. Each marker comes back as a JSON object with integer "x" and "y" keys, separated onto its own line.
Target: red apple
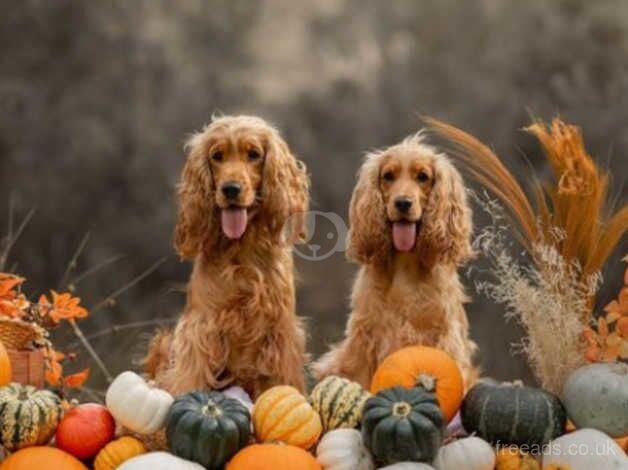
{"x": 85, "y": 429}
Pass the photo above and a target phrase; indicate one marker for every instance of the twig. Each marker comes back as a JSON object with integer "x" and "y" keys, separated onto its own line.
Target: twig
{"x": 125, "y": 326}
{"x": 79, "y": 277}
{"x": 111, "y": 298}
{"x": 72, "y": 263}
{"x": 13, "y": 238}
{"x": 92, "y": 352}
{"x": 11, "y": 215}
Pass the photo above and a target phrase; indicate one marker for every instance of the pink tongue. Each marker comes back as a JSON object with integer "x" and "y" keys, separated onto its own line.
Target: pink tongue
{"x": 404, "y": 235}
{"x": 233, "y": 223}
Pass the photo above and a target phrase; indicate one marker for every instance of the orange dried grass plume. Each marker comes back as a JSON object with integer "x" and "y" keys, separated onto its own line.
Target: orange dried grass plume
{"x": 575, "y": 204}
{"x": 577, "y": 201}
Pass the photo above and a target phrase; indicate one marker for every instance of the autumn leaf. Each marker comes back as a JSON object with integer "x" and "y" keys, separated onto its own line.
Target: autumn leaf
{"x": 8, "y": 282}
{"x": 66, "y": 307}
{"x": 622, "y": 327}
{"x": 76, "y": 380}
{"x": 54, "y": 371}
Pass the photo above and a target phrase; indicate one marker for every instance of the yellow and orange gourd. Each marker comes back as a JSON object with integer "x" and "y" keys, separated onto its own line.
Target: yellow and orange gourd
{"x": 117, "y": 452}
{"x": 282, "y": 414}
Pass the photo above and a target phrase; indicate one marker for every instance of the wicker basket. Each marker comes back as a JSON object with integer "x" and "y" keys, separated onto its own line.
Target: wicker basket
{"x": 18, "y": 334}
{"x": 28, "y": 367}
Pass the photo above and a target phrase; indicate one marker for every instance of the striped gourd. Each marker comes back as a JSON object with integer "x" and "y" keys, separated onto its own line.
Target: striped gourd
{"x": 339, "y": 402}
{"x": 27, "y": 416}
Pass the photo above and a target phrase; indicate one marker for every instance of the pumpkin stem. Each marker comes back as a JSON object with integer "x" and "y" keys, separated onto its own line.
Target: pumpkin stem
{"x": 211, "y": 409}
{"x": 401, "y": 409}
{"x": 427, "y": 382}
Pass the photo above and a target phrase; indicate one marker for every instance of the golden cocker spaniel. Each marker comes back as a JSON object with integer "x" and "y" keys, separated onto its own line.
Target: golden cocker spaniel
{"x": 410, "y": 229}
{"x": 242, "y": 203}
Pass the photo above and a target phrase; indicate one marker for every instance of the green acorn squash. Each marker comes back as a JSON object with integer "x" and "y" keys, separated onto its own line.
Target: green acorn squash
{"x": 28, "y": 416}
{"x": 207, "y": 427}
{"x": 400, "y": 424}
{"x": 512, "y": 414}
{"x": 339, "y": 402}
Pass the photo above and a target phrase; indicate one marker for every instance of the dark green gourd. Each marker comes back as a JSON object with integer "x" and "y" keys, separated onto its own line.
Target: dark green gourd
{"x": 511, "y": 413}
{"x": 207, "y": 427}
{"x": 400, "y": 424}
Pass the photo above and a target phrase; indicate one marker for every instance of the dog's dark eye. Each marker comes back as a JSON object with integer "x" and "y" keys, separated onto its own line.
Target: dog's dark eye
{"x": 254, "y": 154}
{"x": 389, "y": 176}
{"x": 423, "y": 177}
{"x": 217, "y": 156}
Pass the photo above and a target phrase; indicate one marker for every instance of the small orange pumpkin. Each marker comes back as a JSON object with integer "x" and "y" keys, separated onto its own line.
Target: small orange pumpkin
{"x": 273, "y": 457}
{"x": 282, "y": 414}
{"x": 431, "y": 368}
{"x": 5, "y": 366}
{"x": 41, "y": 457}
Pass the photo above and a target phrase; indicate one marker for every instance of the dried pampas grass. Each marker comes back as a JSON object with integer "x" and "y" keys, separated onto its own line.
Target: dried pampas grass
{"x": 548, "y": 303}
{"x": 569, "y": 229}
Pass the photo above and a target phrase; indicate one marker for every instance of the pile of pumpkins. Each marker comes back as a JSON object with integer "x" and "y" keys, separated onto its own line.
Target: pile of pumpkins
{"x": 414, "y": 417}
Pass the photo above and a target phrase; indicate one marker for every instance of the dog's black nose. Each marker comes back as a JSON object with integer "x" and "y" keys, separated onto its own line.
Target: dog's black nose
{"x": 231, "y": 189}
{"x": 403, "y": 204}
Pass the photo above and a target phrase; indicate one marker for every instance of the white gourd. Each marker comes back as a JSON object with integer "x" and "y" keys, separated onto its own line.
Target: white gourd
{"x": 471, "y": 453}
{"x": 159, "y": 461}
{"x": 596, "y": 396}
{"x": 343, "y": 449}
{"x": 408, "y": 466}
{"x": 239, "y": 394}
{"x": 137, "y": 405}
{"x": 586, "y": 449}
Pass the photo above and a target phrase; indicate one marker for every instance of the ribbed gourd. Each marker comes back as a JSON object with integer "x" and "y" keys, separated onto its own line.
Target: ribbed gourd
{"x": 339, "y": 402}
{"x": 403, "y": 425}
{"x": 117, "y": 452}
{"x": 282, "y": 414}
{"x": 207, "y": 427}
{"x": 28, "y": 416}
{"x": 512, "y": 414}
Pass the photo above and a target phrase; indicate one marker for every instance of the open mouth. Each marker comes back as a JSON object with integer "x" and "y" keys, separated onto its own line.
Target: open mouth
{"x": 234, "y": 220}
{"x": 404, "y": 235}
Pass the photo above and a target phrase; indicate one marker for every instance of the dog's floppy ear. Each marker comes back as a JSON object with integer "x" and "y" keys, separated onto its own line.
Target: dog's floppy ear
{"x": 369, "y": 239}
{"x": 446, "y": 224}
{"x": 195, "y": 227}
{"x": 285, "y": 191}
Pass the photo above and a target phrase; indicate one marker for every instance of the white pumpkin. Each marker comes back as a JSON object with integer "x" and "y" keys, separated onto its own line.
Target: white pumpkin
{"x": 343, "y": 449}
{"x": 596, "y": 396}
{"x": 408, "y": 466}
{"x": 137, "y": 405}
{"x": 586, "y": 449}
{"x": 471, "y": 453}
{"x": 239, "y": 394}
{"x": 159, "y": 461}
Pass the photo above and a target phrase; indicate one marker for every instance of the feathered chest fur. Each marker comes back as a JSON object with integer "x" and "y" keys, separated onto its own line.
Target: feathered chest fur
{"x": 234, "y": 290}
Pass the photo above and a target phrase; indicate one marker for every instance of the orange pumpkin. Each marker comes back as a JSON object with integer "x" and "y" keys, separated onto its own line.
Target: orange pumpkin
{"x": 41, "y": 457}
{"x": 431, "y": 368}
{"x": 282, "y": 414}
{"x": 5, "y": 366}
{"x": 273, "y": 457}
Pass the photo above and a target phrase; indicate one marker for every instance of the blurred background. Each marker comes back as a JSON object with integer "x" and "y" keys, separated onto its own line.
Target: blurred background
{"x": 96, "y": 99}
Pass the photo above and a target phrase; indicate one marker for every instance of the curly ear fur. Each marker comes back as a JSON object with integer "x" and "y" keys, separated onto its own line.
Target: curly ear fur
{"x": 369, "y": 239}
{"x": 195, "y": 221}
{"x": 285, "y": 191}
{"x": 446, "y": 224}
